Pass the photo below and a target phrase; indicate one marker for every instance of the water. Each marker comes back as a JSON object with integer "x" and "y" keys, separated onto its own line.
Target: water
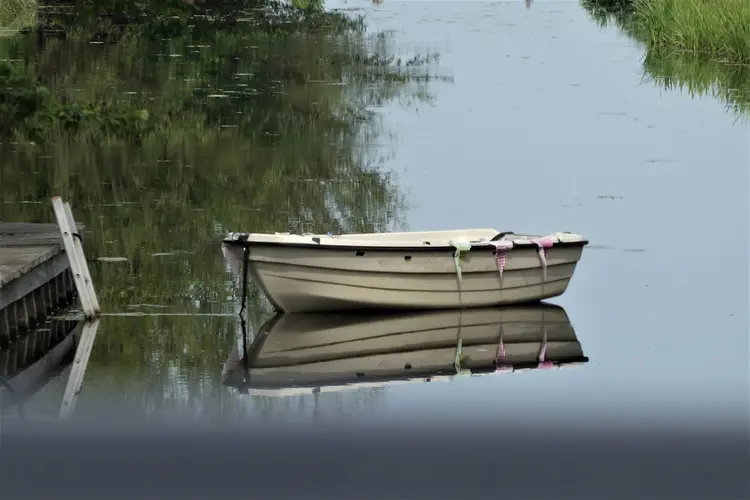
{"x": 531, "y": 120}
{"x": 547, "y": 118}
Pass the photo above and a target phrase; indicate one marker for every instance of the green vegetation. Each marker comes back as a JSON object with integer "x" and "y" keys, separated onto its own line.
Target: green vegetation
{"x": 16, "y": 15}
{"x": 702, "y": 46}
{"x": 167, "y": 132}
{"x": 716, "y": 29}
{"x": 606, "y": 11}
{"x": 719, "y": 29}
{"x": 167, "y": 124}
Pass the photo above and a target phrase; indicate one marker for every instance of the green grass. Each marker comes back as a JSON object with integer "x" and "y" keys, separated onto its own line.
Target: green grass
{"x": 718, "y": 29}
{"x": 700, "y": 46}
{"x": 16, "y": 15}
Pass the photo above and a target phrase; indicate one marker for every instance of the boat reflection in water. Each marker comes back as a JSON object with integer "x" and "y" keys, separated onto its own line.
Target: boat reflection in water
{"x": 321, "y": 352}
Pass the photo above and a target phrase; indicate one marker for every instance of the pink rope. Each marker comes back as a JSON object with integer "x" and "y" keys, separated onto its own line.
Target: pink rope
{"x": 501, "y": 248}
{"x": 544, "y": 244}
{"x": 543, "y": 363}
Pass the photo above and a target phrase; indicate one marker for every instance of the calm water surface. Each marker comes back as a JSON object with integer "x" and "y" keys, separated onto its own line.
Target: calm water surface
{"x": 531, "y": 120}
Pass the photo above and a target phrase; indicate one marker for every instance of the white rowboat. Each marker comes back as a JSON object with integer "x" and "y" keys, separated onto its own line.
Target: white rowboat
{"x": 409, "y": 270}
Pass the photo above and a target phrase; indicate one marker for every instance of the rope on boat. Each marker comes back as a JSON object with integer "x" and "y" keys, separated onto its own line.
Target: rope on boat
{"x": 543, "y": 245}
{"x": 122, "y": 314}
{"x": 461, "y": 248}
{"x": 458, "y": 359}
{"x": 245, "y": 358}
{"x": 245, "y": 260}
{"x": 543, "y": 348}
{"x": 500, "y": 355}
{"x": 501, "y": 249}
{"x": 504, "y": 246}
{"x": 542, "y": 356}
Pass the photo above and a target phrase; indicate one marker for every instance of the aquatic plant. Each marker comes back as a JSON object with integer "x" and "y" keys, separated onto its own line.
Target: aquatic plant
{"x": 605, "y": 12}
{"x": 689, "y": 44}
{"x": 716, "y": 29}
{"x": 719, "y": 29}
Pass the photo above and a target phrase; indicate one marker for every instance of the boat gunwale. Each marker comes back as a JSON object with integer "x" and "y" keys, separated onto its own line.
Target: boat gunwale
{"x": 240, "y": 239}
{"x": 413, "y": 374}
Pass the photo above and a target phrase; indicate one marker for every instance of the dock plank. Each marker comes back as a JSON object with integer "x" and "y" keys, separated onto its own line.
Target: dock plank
{"x": 35, "y": 277}
{"x": 17, "y": 261}
{"x": 24, "y": 247}
{"x": 20, "y": 234}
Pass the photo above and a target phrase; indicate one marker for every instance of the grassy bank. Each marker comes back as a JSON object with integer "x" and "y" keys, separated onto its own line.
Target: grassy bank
{"x": 712, "y": 29}
{"x": 718, "y": 29}
{"x": 700, "y": 46}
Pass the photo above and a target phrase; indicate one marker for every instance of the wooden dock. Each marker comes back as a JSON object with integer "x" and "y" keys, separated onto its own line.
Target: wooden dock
{"x": 40, "y": 354}
{"x": 35, "y": 277}
{"x": 43, "y": 268}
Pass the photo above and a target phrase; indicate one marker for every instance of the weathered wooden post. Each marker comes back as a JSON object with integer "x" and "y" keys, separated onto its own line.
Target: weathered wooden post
{"x": 74, "y": 250}
{"x": 78, "y": 370}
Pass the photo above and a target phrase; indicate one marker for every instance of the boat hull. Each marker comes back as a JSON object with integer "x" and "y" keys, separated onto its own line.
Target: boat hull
{"x": 297, "y": 279}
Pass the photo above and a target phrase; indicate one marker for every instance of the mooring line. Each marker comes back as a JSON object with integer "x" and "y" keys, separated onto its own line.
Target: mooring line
{"x": 136, "y": 314}
{"x": 245, "y": 262}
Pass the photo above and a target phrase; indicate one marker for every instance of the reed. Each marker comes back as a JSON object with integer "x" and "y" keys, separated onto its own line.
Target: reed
{"x": 718, "y": 29}
{"x": 16, "y": 15}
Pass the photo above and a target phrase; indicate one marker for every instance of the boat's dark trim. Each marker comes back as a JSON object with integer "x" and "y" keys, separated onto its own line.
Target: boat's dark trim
{"x": 241, "y": 240}
{"x": 346, "y": 379}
